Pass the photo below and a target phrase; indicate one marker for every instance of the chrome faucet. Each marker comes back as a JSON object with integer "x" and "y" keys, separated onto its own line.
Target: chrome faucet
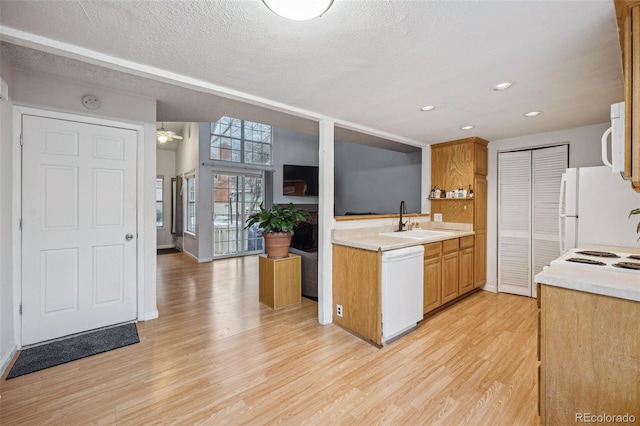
{"x": 403, "y": 210}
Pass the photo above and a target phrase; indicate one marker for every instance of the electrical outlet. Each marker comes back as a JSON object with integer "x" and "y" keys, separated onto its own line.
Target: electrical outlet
{"x": 437, "y": 217}
{"x": 339, "y": 310}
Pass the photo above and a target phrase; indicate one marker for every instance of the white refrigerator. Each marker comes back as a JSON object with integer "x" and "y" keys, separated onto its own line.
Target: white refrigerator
{"x": 594, "y": 208}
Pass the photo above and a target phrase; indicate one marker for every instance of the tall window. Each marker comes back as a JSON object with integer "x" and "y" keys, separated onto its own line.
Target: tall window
{"x": 241, "y": 141}
{"x": 191, "y": 205}
{"x": 159, "y": 207}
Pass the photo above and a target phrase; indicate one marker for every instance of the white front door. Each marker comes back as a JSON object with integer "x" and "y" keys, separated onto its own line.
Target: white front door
{"x": 79, "y": 227}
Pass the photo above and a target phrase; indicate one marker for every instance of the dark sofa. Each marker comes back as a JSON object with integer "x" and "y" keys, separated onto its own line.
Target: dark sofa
{"x": 309, "y": 267}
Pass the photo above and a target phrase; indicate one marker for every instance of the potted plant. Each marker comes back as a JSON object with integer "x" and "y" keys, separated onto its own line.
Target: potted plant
{"x": 277, "y": 227}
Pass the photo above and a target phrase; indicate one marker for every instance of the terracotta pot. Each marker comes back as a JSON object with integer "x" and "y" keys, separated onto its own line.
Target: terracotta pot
{"x": 277, "y": 244}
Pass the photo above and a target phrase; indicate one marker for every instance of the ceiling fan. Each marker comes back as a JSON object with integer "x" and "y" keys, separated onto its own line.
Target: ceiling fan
{"x": 166, "y": 135}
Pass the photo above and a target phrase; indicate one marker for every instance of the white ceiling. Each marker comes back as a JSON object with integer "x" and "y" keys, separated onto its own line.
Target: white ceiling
{"x": 368, "y": 64}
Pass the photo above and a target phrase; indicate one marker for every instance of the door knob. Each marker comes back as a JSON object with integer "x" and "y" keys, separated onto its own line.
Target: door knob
{"x": 129, "y": 237}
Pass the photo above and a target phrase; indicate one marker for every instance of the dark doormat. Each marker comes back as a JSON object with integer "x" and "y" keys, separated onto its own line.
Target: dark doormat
{"x": 168, "y": 250}
{"x": 73, "y": 348}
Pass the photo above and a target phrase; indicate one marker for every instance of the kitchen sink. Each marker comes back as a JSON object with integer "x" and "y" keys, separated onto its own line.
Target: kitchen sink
{"x": 417, "y": 234}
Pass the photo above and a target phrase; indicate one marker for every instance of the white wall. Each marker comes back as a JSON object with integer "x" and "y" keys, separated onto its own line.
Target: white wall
{"x": 376, "y": 180}
{"x": 7, "y": 340}
{"x": 165, "y": 167}
{"x": 45, "y": 92}
{"x": 289, "y": 147}
{"x": 187, "y": 152}
{"x": 187, "y": 164}
{"x": 584, "y": 151}
{"x": 204, "y": 202}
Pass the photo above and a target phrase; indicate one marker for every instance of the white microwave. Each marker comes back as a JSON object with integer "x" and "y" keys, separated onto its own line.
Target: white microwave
{"x": 613, "y": 155}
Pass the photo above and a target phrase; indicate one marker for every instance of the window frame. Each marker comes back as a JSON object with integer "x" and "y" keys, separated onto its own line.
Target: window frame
{"x": 190, "y": 203}
{"x": 160, "y": 179}
{"x": 243, "y": 143}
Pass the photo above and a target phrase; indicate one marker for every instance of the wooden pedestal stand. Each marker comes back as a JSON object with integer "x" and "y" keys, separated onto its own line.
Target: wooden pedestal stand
{"x": 279, "y": 281}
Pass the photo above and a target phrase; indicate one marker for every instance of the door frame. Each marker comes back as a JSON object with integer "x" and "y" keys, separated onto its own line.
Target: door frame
{"x": 238, "y": 172}
{"x": 530, "y": 149}
{"x": 18, "y": 112}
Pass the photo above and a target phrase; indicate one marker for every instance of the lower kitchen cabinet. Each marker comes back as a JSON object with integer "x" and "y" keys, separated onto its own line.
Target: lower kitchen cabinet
{"x": 432, "y": 276}
{"x": 588, "y": 348}
{"x": 480, "y": 259}
{"x": 357, "y": 289}
{"x": 450, "y": 271}
{"x": 466, "y": 260}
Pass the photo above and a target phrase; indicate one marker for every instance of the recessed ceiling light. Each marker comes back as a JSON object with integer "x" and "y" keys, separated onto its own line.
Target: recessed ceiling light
{"x": 468, "y": 127}
{"x": 427, "y": 108}
{"x": 502, "y": 86}
{"x": 532, "y": 113}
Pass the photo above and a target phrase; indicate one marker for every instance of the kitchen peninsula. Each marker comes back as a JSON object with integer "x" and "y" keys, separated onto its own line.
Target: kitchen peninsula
{"x": 357, "y": 267}
{"x": 588, "y": 344}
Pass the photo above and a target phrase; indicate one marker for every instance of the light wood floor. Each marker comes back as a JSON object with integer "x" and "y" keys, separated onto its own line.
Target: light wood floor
{"x": 217, "y": 356}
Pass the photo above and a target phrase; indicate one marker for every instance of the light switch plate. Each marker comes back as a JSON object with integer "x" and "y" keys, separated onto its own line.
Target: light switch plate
{"x": 437, "y": 217}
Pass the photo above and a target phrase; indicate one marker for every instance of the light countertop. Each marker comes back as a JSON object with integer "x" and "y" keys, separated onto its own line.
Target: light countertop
{"x": 369, "y": 238}
{"x": 622, "y": 285}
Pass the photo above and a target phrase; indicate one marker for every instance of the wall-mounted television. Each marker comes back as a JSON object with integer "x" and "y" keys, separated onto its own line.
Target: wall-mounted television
{"x": 299, "y": 180}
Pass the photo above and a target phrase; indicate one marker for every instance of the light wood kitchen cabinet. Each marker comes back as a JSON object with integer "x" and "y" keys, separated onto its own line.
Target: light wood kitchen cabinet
{"x": 432, "y": 291}
{"x": 450, "y": 272}
{"x": 480, "y": 260}
{"x": 628, "y": 13}
{"x": 589, "y": 359}
{"x": 357, "y": 287}
{"x": 465, "y": 259}
{"x": 480, "y": 159}
{"x": 458, "y": 164}
{"x": 480, "y": 228}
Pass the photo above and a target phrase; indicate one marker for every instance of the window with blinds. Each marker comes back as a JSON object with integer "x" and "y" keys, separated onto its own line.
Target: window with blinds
{"x": 528, "y": 194}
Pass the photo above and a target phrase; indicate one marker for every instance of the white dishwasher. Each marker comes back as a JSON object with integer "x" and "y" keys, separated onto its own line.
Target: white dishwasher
{"x": 402, "y": 288}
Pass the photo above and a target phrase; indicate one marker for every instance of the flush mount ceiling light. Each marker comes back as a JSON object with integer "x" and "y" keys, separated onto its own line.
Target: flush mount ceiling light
{"x": 502, "y": 86}
{"x": 166, "y": 135}
{"x": 532, "y": 113}
{"x": 468, "y": 127}
{"x": 298, "y": 10}
{"x": 427, "y": 108}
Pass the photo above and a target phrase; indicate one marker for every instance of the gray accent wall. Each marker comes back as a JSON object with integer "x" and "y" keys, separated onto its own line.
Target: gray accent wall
{"x": 376, "y": 180}
{"x": 367, "y": 179}
{"x": 290, "y": 147}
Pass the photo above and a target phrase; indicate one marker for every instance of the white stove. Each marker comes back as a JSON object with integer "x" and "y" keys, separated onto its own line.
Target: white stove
{"x": 614, "y": 261}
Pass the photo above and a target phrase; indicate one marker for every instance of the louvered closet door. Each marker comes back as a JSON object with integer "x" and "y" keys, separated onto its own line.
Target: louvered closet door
{"x": 548, "y": 166}
{"x": 514, "y": 222}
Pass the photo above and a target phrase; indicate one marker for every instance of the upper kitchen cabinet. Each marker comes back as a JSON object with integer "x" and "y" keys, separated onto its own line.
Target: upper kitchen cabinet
{"x": 463, "y": 164}
{"x": 628, "y": 13}
{"x": 454, "y": 164}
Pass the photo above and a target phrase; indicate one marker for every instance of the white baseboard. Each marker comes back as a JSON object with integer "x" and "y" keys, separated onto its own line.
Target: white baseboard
{"x": 205, "y": 259}
{"x": 7, "y": 359}
{"x": 490, "y": 287}
{"x": 191, "y": 254}
{"x": 166, "y": 246}
{"x": 148, "y": 316}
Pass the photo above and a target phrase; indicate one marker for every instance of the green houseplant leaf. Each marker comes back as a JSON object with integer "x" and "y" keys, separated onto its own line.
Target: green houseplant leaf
{"x": 278, "y": 218}
{"x": 636, "y": 211}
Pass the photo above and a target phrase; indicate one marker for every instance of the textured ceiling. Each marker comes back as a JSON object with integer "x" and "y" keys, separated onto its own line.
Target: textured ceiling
{"x": 369, "y": 64}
